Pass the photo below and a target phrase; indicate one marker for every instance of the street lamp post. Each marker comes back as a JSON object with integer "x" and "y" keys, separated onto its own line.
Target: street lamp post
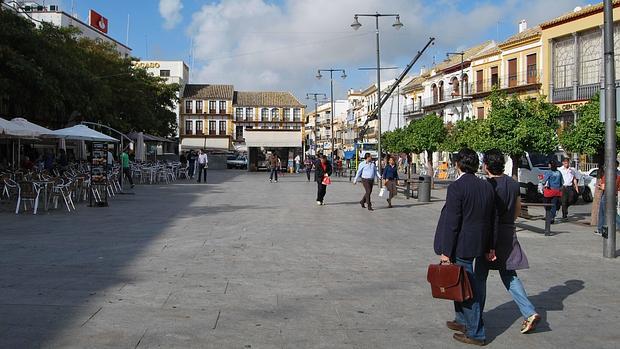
{"x": 315, "y": 96}
{"x": 331, "y": 88}
{"x": 397, "y": 25}
{"x": 461, "y": 82}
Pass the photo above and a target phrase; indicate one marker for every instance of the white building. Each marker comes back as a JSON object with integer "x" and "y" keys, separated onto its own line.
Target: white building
{"x": 175, "y": 72}
{"x": 319, "y": 126}
{"x": 38, "y": 13}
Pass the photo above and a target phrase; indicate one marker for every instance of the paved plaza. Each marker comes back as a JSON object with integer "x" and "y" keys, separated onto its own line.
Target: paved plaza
{"x": 242, "y": 263}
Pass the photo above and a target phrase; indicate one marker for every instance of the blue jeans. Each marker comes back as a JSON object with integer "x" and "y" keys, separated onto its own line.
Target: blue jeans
{"x": 554, "y": 209}
{"x": 601, "y": 215}
{"x": 274, "y": 171}
{"x": 469, "y": 313}
{"x": 512, "y": 283}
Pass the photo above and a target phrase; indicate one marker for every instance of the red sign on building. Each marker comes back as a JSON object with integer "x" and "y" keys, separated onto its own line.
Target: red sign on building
{"x": 98, "y": 22}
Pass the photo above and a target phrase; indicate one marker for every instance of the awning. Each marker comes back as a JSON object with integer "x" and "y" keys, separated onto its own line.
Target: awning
{"x": 272, "y": 138}
{"x": 12, "y": 129}
{"x": 81, "y": 132}
{"x": 32, "y": 127}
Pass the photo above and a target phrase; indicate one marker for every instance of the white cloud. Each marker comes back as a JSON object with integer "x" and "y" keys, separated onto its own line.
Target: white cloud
{"x": 170, "y": 10}
{"x": 258, "y": 45}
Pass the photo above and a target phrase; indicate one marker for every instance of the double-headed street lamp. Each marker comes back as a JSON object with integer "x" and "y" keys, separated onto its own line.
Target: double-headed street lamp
{"x": 315, "y": 96}
{"x": 331, "y": 87}
{"x": 397, "y": 25}
{"x": 461, "y": 82}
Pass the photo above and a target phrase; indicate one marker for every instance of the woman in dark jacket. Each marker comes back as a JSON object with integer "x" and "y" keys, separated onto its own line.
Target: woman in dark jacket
{"x": 322, "y": 168}
{"x": 506, "y": 254}
{"x": 390, "y": 178}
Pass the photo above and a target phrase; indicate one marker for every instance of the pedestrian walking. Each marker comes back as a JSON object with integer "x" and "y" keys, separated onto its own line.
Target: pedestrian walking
{"x": 183, "y": 159}
{"x": 367, "y": 172}
{"x": 552, "y": 189}
{"x": 274, "y": 165}
{"x": 297, "y": 163}
{"x": 125, "y": 166}
{"x": 390, "y": 179}
{"x": 322, "y": 172}
{"x": 191, "y": 159}
{"x": 601, "y": 208}
{"x": 506, "y": 254}
{"x": 570, "y": 188}
{"x": 203, "y": 163}
{"x": 462, "y": 236}
{"x": 308, "y": 165}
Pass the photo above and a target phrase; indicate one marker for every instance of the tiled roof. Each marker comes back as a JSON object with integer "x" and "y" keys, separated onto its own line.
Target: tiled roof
{"x": 201, "y": 91}
{"x": 415, "y": 82}
{"x": 494, "y": 50}
{"x": 266, "y": 99}
{"x": 585, "y": 11}
{"x": 526, "y": 34}
{"x": 469, "y": 53}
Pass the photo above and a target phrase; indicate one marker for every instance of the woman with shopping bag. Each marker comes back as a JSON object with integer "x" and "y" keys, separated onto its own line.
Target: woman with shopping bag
{"x": 322, "y": 173}
{"x": 390, "y": 179}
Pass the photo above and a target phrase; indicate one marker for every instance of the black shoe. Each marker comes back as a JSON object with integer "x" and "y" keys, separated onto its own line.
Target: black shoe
{"x": 363, "y": 205}
{"x": 133, "y": 185}
{"x": 464, "y": 339}
{"x": 370, "y": 208}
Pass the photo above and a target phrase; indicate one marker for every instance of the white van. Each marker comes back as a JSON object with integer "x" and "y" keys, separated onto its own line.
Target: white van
{"x": 532, "y": 167}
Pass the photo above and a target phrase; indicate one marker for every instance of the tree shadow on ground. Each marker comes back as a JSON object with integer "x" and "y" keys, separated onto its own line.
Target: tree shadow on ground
{"x": 537, "y": 230}
{"x": 502, "y": 317}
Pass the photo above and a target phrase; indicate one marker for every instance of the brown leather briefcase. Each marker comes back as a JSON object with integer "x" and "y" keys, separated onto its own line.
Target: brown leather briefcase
{"x": 449, "y": 281}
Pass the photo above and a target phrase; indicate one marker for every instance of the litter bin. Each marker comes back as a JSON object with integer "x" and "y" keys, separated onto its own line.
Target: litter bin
{"x": 424, "y": 189}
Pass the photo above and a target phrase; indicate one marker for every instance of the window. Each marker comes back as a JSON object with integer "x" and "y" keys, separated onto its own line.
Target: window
{"x": 440, "y": 91}
{"x": 188, "y": 107}
{"x": 590, "y": 57}
{"x": 297, "y": 114}
{"x": 239, "y": 132}
{"x": 199, "y": 127}
{"x": 198, "y": 107}
{"x": 238, "y": 114}
{"x": 275, "y": 114}
{"x": 512, "y": 72}
{"x": 532, "y": 72}
{"x": 456, "y": 88}
{"x": 222, "y": 107}
{"x": 212, "y": 105}
{"x": 212, "y": 126}
{"x": 287, "y": 114}
{"x": 164, "y": 73}
{"x": 189, "y": 127}
{"x": 435, "y": 96}
{"x": 465, "y": 84}
{"x": 480, "y": 113}
{"x": 222, "y": 128}
{"x": 564, "y": 62}
{"x": 264, "y": 114}
{"x": 479, "y": 80}
{"x": 494, "y": 77}
{"x": 249, "y": 114}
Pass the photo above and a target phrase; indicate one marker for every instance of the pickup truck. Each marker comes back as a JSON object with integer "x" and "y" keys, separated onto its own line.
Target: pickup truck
{"x": 240, "y": 162}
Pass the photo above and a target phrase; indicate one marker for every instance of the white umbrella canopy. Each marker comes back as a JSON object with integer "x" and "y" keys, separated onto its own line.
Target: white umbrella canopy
{"x": 140, "y": 153}
{"x": 12, "y": 129}
{"x": 81, "y": 132}
{"x": 32, "y": 127}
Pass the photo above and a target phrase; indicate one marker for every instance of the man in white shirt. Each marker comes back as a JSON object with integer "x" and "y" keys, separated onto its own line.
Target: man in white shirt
{"x": 203, "y": 161}
{"x": 297, "y": 163}
{"x": 570, "y": 186}
{"x": 367, "y": 171}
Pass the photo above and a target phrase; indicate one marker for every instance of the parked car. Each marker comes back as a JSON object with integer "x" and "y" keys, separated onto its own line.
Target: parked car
{"x": 531, "y": 171}
{"x": 240, "y": 162}
{"x": 587, "y": 184}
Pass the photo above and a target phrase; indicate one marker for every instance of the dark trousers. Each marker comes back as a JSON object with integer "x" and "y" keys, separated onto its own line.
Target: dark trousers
{"x": 469, "y": 313}
{"x": 308, "y": 170}
{"x": 190, "y": 170}
{"x": 568, "y": 194}
{"x": 368, "y": 184}
{"x": 127, "y": 173}
{"x": 202, "y": 170}
{"x": 556, "y": 204}
{"x": 321, "y": 191}
{"x": 274, "y": 172}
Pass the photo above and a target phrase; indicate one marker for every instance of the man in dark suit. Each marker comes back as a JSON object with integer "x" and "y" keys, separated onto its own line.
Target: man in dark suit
{"x": 464, "y": 233}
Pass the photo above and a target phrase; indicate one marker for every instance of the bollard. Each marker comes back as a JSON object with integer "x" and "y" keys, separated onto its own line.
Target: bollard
{"x": 424, "y": 189}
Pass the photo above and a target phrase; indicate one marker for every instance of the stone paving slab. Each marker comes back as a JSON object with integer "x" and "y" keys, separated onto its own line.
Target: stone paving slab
{"x": 242, "y": 263}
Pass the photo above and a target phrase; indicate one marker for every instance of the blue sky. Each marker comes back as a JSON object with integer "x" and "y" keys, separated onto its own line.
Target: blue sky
{"x": 279, "y": 44}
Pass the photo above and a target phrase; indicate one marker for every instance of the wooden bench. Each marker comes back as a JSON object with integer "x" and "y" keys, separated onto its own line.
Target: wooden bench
{"x": 525, "y": 214}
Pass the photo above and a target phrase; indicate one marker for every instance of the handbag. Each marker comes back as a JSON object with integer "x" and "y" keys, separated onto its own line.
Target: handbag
{"x": 326, "y": 180}
{"x": 449, "y": 281}
{"x": 551, "y": 193}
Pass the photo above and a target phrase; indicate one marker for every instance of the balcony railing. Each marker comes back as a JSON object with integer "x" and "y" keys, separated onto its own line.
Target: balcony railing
{"x": 189, "y": 111}
{"x": 198, "y": 111}
{"x": 212, "y": 111}
{"x": 525, "y": 78}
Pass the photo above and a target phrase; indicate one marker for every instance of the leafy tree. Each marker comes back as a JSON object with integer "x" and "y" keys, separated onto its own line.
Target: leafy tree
{"x": 426, "y": 134}
{"x": 55, "y": 78}
{"x": 516, "y": 126}
{"x": 463, "y": 134}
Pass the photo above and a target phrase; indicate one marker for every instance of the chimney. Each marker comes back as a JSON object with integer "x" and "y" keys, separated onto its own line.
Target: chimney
{"x": 423, "y": 70}
{"x": 522, "y": 26}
